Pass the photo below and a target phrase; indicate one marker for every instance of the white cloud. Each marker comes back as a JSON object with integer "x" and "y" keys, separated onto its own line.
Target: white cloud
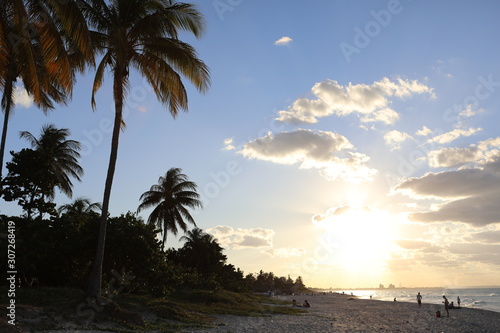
{"x": 283, "y": 41}
{"x": 228, "y": 144}
{"x": 470, "y": 111}
{"x": 386, "y": 116}
{"x": 335, "y": 211}
{"x": 395, "y": 138}
{"x": 329, "y": 152}
{"x": 242, "y": 238}
{"x": 453, "y": 135}
{"x": 487, "y": 151}
{"x": 22, "y": 98}
{"x": 371, "y": 102}
{"x": 425, "y": 131}
{"x": 451, "y": 157}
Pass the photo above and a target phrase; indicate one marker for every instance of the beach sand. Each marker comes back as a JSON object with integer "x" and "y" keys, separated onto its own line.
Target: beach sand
{"x": 343, "y": 313}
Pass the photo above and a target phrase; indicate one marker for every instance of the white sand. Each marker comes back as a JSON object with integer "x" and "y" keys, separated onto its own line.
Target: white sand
{"x": 336, "y": 313}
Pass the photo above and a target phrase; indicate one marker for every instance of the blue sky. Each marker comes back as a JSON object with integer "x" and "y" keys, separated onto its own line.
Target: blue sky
{"x": 349, "y": 142}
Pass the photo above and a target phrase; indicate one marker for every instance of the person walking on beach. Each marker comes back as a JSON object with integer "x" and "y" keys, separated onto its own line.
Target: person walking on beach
{"x": 419, "y": 299}
{"x": 446, "y": 306}
{"x": 458, "y": 301}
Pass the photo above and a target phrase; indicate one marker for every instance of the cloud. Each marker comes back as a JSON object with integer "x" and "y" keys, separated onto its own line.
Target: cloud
{"x": 469, "y": 111}
{"x": 451, "y": 157}
{"x": 474, "y": 248}
{"x": 471, "y": 194}
{"x": 283, "y": 41}
{"x": 395, "y": 138}
{"x": 336, "y": 211}
{"x": 22, "y": 98}
{"x": 287, "y": 252}
{"x": 329, "y": 152}
{"x": 452, "y": 184}
{"x": 477, "y": 211}
{"x": 483, "y": 153}
{"x": 412, "y": 244}
{"x": 486, "y": 237}
{"x": 242, "y": 238}
{"x": 453, "y": 135}
{"x": 370, "y": 102}
{"x": 387, "y": 116}
{"x": 228, "y": 144}
{"x": 425, "y": 131}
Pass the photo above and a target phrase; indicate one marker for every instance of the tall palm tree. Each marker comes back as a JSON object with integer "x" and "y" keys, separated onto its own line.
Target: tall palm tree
{"x": 171, "y": 198}
{"x": 80, "y": 205}
{"x": 142, "y": 34}
{"x": 61, "y": 155}
{"x": 42, "y": 42}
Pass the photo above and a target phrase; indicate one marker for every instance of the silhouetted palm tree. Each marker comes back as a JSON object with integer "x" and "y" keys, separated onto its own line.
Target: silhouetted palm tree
{"x": 42, "y": 42}
{"x": 171, "y": 198}
{"x": 61, "y": 155}
{"x": 205, "y": 252}
{"x": 142, "y": 34}
{"x": 80, "y": 205}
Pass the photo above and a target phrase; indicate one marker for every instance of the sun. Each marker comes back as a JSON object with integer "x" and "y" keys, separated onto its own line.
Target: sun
{"x": 362, "y": 237}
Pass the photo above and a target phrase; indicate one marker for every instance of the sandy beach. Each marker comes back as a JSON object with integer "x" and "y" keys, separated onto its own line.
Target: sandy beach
{"x": 342, "y": 313}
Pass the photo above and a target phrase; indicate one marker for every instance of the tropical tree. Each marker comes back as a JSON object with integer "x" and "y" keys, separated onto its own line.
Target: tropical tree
{"x": 142, "y": 34}
{"x": 204, "y": 252}
{"x": 171, "y": 198}
{"x": 42, "y": 42}
{"x": 61, "y": 155}
{"x": 29, "y": 183}
{"x": 35, "y": 173}
{"x": 80, "y": 205}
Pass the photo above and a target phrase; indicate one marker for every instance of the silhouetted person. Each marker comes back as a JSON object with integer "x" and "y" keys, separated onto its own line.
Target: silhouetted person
{"x": 446, "y": 306}
{"x": 419, "y": 299}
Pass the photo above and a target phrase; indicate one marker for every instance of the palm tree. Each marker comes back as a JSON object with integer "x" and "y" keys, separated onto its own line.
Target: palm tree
{"x": 204, "y": 252}
{"x": 80, "y": 205}
{"x": 42, "y": 42}
{"x": 142, "y": 34}
{"x": 171, "y": 198}
{"x": 61, "y": 155}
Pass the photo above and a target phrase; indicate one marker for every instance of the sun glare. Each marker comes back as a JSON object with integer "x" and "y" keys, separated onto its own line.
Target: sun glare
{"x": 362, "y": 237}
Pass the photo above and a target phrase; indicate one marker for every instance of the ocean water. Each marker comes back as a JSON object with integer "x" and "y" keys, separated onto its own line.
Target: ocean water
{"x": 479, "y": 298}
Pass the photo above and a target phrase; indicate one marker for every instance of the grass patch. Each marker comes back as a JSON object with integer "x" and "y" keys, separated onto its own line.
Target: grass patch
{"x": 58, "y": 307}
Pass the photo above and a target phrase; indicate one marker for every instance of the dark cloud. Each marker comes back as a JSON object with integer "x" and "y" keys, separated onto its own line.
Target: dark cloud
{"x": 485, "y": 237}
{"x": 477, "y": 211}
{"x": 453, "y": 184}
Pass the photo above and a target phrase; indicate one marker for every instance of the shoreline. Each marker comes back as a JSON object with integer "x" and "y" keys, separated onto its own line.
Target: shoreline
{"x": 345, "y": 313}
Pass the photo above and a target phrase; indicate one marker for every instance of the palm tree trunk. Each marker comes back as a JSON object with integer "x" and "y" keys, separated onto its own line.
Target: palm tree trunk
{"x": 7, "y": 96}
{"x": 95, "y": 281}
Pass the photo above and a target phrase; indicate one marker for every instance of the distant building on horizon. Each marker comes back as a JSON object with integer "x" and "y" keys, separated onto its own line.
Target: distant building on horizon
{"x": 381, "y": 286}
{"x": 391, "y": 286}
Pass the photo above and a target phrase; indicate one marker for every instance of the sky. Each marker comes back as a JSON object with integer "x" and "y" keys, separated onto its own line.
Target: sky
{"x": 352, "y": 143}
